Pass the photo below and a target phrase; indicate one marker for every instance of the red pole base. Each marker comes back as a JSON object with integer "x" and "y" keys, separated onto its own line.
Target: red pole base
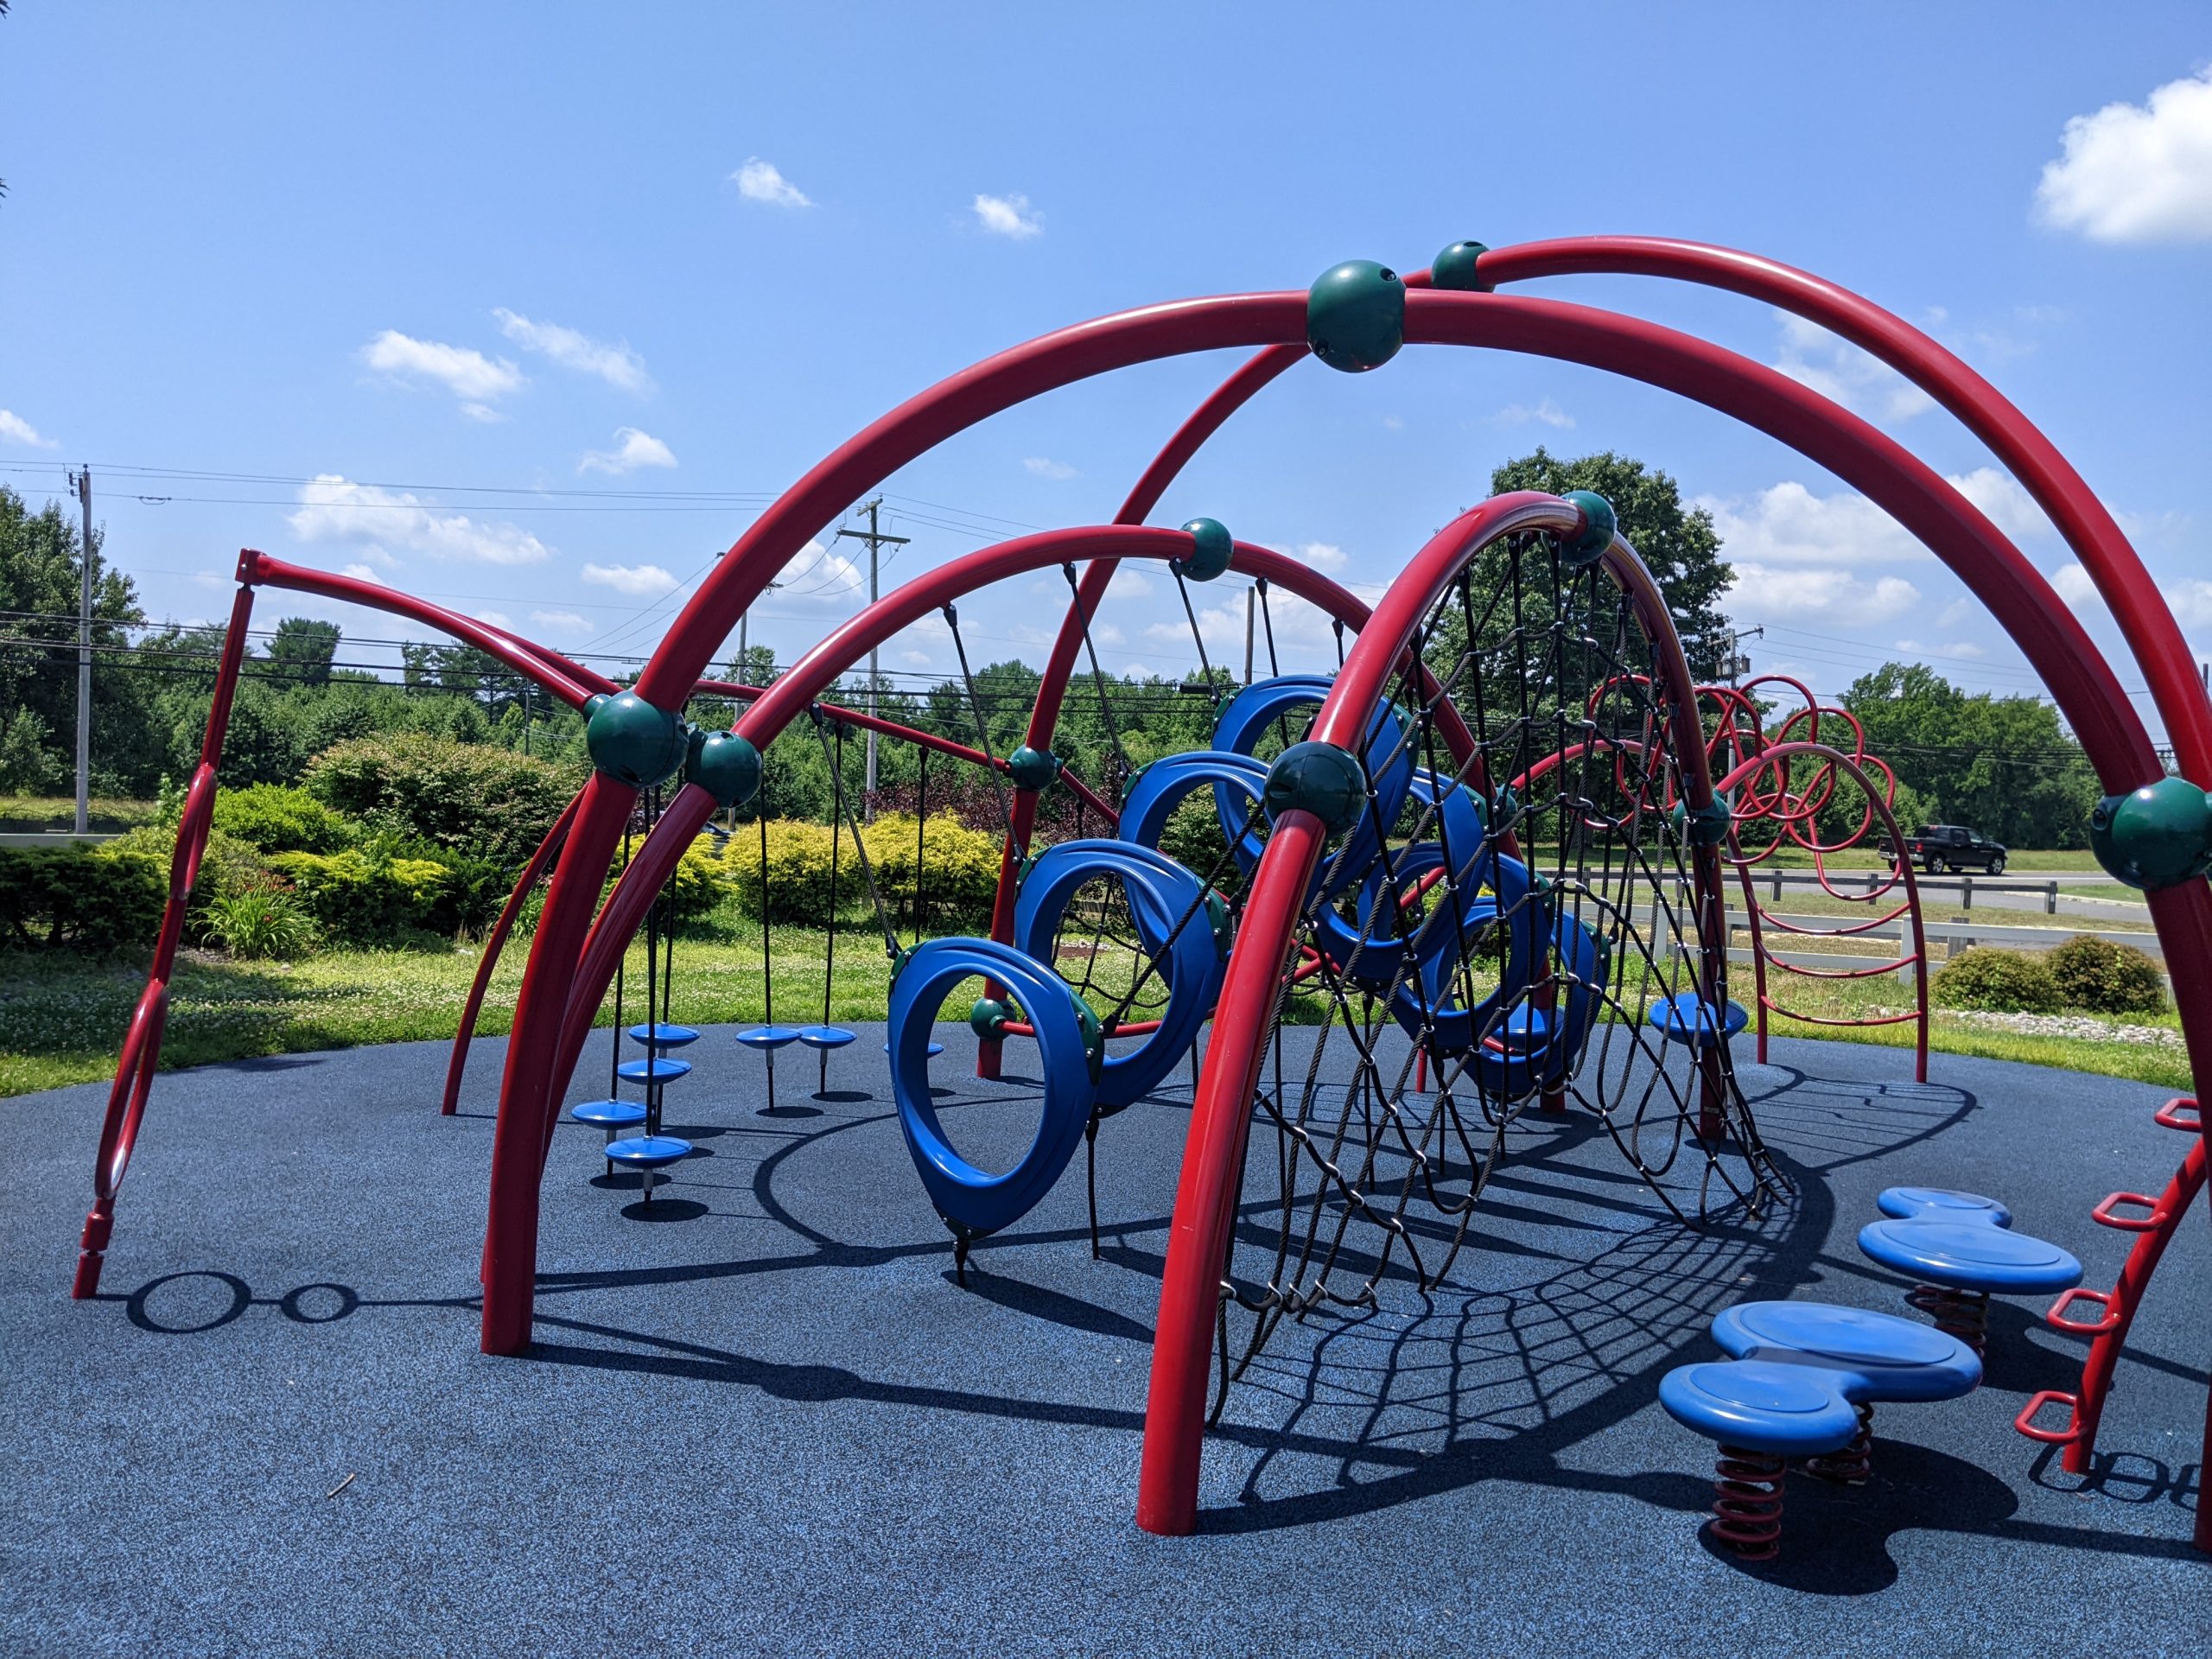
{"x": 86, "y": 1284}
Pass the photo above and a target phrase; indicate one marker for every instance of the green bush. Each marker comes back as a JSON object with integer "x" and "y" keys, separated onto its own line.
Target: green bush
{"x": 261, "y": 923}
{"x": 703, "y": 879}
{"x": 2106, "y": 978}
{"x": 363, "y": 897}
{"x": 959, "y": 874}
{"x": 488, "y": 803}
{"x": 798, "y": 871}
{"x": 276, "y": 819}
{"x": 2002, "y": 982}
{"x": 69, "y": 896}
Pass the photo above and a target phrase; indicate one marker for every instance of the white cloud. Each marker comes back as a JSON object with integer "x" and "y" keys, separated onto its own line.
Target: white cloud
{"x": 638, "y": 580}
{"x": 1009, "y": 216}
{"x": 566, "y": 622}
{"x": 2190, "y": 598}
{"x": 760, "y": 181}
{"x": 481, "y": 412}
{"x": 466, "y": 372}
{"x": 1760, "y": 593}
{"x": 332, "y": 508}
{"x": 1325, "y": 557}
{"x": 1787, "y": 525}
{"x": 1546, "y": 411}
{"x": 633, "y": 450}
{"x": 495, "y": 618}
{"x": 1392, "y": 423}
{"x": 2074, "y": 586}
{"x": 1055, "y": 470}
{"x": 1129, "y": 583}
{"x": 815, "y": 572}
{"x": 2131, "y": 174}
{"x": 361, "y": 573}
{"x": 15, "y": 429}
{"x": 618, "y": 366}
{"x": 1106, "y": 633}
{"x": 1965, "y": 648}
{"x": 1838, "y": 370}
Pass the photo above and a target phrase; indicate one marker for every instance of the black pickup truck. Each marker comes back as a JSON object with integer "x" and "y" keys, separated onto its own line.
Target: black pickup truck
{"x": 1952, "y": 847}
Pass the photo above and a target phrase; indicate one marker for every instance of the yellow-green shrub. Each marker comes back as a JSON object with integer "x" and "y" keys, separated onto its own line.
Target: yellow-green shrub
{"x": 798, "y": 871}
{"x": 363, "y": 900}
{"x": 701, "y": 881}
{"x": 959, "y": 870}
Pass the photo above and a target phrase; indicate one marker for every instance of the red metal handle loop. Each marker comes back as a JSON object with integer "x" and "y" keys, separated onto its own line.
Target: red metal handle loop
{"x": 2025, "y": 1422}
{"x": 2170, "y": 1115}
{"x": 2056, "y": 1318}
{"x": 2145, "y": 1223}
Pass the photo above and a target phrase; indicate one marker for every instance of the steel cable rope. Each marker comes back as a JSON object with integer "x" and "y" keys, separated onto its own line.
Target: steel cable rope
{"x": 983, "y": 732}
{"x": 1098, "y": 678}
{"x": 843, "y": 806}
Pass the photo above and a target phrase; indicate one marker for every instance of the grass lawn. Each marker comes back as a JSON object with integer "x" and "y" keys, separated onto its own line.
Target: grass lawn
{"x": 62, "y": 1018}
{"x": 39, "y": 814}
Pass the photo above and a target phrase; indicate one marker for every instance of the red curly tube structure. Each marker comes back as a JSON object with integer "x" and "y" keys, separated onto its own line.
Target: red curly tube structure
{"x": 561, "y": 985}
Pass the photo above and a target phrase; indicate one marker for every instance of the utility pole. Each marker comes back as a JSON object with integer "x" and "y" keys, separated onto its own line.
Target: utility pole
{"x": 875, "y": 539}
{"x": 1735, "y": 664}
{"x": 83, "y": 480}
{"x": 744, "y": 617}
{"x": 1251, "y": 604}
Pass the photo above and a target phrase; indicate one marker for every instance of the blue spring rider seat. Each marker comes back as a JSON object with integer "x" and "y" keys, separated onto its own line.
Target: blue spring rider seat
{"x": 1959, "y": 1248}
{"x": 764, "y": 1040}
{"x": 1686, "y": 1018}
{"x": 651, "y": 1151}
{"x": 823, "y": 1040}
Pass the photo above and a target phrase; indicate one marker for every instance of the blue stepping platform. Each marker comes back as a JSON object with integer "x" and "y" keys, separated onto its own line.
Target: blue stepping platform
{"x": 769, "y": 1037}
{"x": 935, "y": 1049}
{"x": 1875, "y": 1358}
{"x": 1970, "y": 1255}
{"x": 653, "y": 1070}
{"x": 824, "y": 1036}
{"x": 648, "y": 1151}
{"x": 1941, "y": 1203}
{"x": 1783, "y": 1411}
{"x": 609, "y": 1115}
{"x": 664, "y": 1036}
{"x": 1687, "y": 1018}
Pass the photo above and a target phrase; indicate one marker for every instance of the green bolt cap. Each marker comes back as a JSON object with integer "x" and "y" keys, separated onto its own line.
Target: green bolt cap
{"x": 1210, "y": 549}
{"x": 1317, "y": 778}
{"x": 2157, "y": 836}
{"x": 594, "y": 703}
{"x": 726, "y": 765}
{"x": 1032, "y": 768}
{"x": 635, "y": 743}
{"x": 1094, "y": 1035}
{"x": 988, "y": 1017}
{"x": 1356, "y": 315}
{"x": 1219, "y": 919}
{"x": 1598, "y": 524}
{"x": 1455, "y": 268}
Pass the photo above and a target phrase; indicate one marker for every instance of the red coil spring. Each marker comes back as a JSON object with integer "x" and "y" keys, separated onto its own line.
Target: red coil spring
{"x": 1960, "y": 1314}
{"x": 1852, "y": 1466}
{"x": 1747, "y": 1504}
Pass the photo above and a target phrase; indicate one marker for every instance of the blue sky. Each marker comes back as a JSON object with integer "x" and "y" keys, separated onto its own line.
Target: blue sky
{"x": 448, "y": 260}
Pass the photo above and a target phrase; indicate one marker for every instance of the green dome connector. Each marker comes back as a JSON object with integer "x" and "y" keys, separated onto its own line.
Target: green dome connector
{"x": 1600, "y": 524}
{"x": 1211, "y": 547}
{"x": 1356, "y": 315}
{"x": 1219, "y": 919}
{"x": 1708, "y": 826}
{"x": 2157, "y": 836}
{"x": 635, "y": 743}
{"x": 1094, "y": 1035}
{"x": 988, "y": 1017}
{"x": 1455, "y": 268}
{"x": 1317, "y": 778}
{"x": 726, "y": 765}
{"x": 594, "y": 703}
{"x": 1031, "y": 768}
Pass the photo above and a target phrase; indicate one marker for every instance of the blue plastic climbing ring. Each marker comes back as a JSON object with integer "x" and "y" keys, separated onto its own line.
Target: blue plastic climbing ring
{"x": 973, "y": 1201}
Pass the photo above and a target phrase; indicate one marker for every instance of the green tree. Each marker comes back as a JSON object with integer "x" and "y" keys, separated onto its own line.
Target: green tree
{"x": 2003, "y": 765}
{"x": 302, "y": 651}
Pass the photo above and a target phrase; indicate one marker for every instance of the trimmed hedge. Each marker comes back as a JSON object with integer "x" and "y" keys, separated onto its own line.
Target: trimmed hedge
{"x": 2106, "y": 978}
{"x": 1999, "y": 981}
{"x": 52, "y": 896}
{"x": 489, "y": 803}
{"x": 360, "y": 899}
{"x": 960, "y": 871}
{"x": 276, "y": 819}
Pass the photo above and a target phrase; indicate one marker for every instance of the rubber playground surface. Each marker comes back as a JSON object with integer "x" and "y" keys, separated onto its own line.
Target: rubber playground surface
{"x": 762, "y": 1418}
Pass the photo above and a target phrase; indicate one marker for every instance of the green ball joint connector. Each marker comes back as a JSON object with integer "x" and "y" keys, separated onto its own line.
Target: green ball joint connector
{"x": 1706, "y": 826}
{"x": 1587, "y": 545}
{"x": 634, "y": 743}
{"x": 1320, "y": 778}
{"x": 726, "y": 765}
{"x": 988, "y": 1017}
{"x": 2157, "y": 836}
{"x": 1210, "y": 546}
{"x": 1032, "y": 769}
{"x": 1356, "y": 315}
{"x": 1454, "y": 268}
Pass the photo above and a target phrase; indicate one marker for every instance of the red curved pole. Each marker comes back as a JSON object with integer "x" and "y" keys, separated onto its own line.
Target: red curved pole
{"x": 1214, "y": 1148}
{"x": 493, "y": 943}
{"x": 2168, "y": 663}
{"x": 261, "y": 570}
{"x": 142, "y": 1046}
